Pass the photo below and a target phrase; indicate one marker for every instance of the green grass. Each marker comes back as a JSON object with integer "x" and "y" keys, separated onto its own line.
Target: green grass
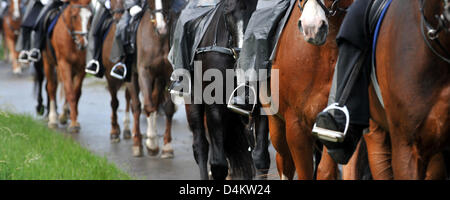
{"x": 31, "y": 151}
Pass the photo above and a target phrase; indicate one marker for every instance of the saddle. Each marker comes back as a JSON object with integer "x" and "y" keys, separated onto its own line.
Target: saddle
{"x": 374, "y": 18}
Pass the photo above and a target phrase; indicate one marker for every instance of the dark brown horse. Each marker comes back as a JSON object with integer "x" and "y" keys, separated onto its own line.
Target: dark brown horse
{"x": 151, "y": 77}
{"x": 220, "y": 134}
{"x": 305, "y": 74}
{"x": 414, "y": 79}
{"x": 11, "y": 28}
{"x": 115, "y": 84}
{"x": 67, "y": 60}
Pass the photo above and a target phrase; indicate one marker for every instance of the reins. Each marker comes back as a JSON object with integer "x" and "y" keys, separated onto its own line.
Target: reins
{"x": 431, "y": 33}
{"x": 329, "y": 12}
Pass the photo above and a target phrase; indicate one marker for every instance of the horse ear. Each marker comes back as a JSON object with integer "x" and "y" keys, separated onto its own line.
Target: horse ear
{"x": 230, "y": 5}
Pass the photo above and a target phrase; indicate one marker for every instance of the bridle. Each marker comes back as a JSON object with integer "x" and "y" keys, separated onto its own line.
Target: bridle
{"x": 74, "y": 33}
{"x": 329, "y": 12}
{"x": 431, "y": 33}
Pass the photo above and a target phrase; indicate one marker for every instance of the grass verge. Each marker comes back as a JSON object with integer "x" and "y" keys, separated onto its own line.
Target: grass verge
{"x": 31, "y": 151}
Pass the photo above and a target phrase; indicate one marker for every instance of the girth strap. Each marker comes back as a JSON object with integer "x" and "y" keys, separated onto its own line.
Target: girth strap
{"x": 224, "y": 50}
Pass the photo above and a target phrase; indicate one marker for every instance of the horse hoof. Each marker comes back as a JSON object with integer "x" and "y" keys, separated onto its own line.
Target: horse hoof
{"x": 63, "y": 120}
{"x": 53, "y": 125}
{"x": 153, "y": 152}
{"x": 74, "y": 129}
{"x": 137, "y": 151}
{"x": 115, "y": 138}
{"x": 167, "y": 152}
{"x": 126, "y": 134}
{"x": 40, "y": 110}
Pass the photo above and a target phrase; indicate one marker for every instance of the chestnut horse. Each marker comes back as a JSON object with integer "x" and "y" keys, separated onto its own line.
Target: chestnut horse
{"x": 414, "y": 80}
{"x": 151, "y": 77}
{"x": 305, "y": 76}
{"x": 69, "y": 42}
{"x": 11, "y": 29}
{"x": 115, "y": 84}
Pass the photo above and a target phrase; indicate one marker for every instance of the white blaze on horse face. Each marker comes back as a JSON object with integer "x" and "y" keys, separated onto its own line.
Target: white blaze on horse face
{"x": 16, "y": 12}
{"x": 160, "y": 23}
{"x": 240, "y": 29}
{"x": 313, "y": 23}
{"x": 85, "y": 15}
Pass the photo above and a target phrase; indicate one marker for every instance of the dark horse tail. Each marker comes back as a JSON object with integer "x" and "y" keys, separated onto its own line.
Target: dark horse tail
{"x": 237, "y": 149}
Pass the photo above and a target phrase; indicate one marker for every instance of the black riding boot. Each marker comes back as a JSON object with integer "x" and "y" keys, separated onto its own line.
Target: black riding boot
{"x": 96, "y": 34}
{"x": 341, "y": 124}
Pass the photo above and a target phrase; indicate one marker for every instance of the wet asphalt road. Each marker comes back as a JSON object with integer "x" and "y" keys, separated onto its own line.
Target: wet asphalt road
{"x": 16, "y": 94}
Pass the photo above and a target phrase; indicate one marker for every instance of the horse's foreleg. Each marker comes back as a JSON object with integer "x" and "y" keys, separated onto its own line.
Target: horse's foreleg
{"x": 200, "y": 146}
{"x": 70, "y": 91}
{"x": 115, "y": 128}
{"x": 214, "y": 119}
{"x": 133, "y": 89}
{"x": 169, "y": 110}
{"x": 13, "y": 55}
{"x": 126, "y": 120}
{"x": 147, "y": 82}
{"x": 327, "y": 169}
{"x": 260, "y": 154}
{"x": 379, "y": 152}
{"x": 285, "y": 164}
{"x": 52, "y": 85}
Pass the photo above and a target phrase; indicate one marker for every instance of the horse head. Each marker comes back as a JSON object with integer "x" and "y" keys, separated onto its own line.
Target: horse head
{"x": 237, "y": 14}
{"x": 77, "y": 19}
{"x": 313, "y": 22}
{"x": 159, "y": 14}
{"x": 14, "y": 9}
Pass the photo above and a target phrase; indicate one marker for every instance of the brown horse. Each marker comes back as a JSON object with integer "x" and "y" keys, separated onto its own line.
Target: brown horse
{"x": 115, "y": 84}
{"x": 11, "y": 28}
{"x": 151, "y": 76}
{"x": 69, "y": 43}
{"x": 414, "y": 81}
{"x": 305, "y": 74}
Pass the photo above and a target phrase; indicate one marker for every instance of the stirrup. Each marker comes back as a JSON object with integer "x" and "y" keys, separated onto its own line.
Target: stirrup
{"x": 332, "y": 135}
{"x": 178, "y": 92}
{"x": 23, "y": 61}
{"x": 240, "y": 110}
{"x": 118, "y": 76}
{"x": 97, "y": 69}
{"x": 34, "y": 59}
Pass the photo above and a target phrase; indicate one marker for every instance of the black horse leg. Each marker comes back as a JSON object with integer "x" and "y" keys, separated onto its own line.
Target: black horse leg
{"x": 200, "y": 146}
{"x": 214, "y": 117}
{"x": 38, "y": 82}
{"x": 260, "y": 154}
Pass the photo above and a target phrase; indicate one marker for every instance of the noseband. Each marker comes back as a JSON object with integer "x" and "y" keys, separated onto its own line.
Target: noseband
{"x": 431, "y": 33}
{"x": 74, "y": 33}
{"x": 329, "y": 12}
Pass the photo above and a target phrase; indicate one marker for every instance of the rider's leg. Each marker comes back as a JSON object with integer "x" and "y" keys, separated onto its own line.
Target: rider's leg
{"x": 120, "y": 70}
{"x": 341, "y": 124}
{"x": 94, "y": 50}
{"x": 39, "y": 34}
{"x": 23, "y": 43}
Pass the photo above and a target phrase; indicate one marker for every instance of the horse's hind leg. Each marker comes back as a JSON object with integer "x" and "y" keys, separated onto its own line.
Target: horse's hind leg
{"x": 200, "y": 146}
{"x": 260, "y": 154}
{"x": 126, "y": 121}
{"x": 169, "y": 110}
{"x": 115, "y": 128}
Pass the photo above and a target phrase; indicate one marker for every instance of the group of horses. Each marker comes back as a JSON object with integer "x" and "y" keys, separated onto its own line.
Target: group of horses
{"x": 409, "y": 132}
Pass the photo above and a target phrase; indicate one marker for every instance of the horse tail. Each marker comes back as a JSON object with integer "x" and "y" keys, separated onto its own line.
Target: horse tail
{"x": 237, "y": 150}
